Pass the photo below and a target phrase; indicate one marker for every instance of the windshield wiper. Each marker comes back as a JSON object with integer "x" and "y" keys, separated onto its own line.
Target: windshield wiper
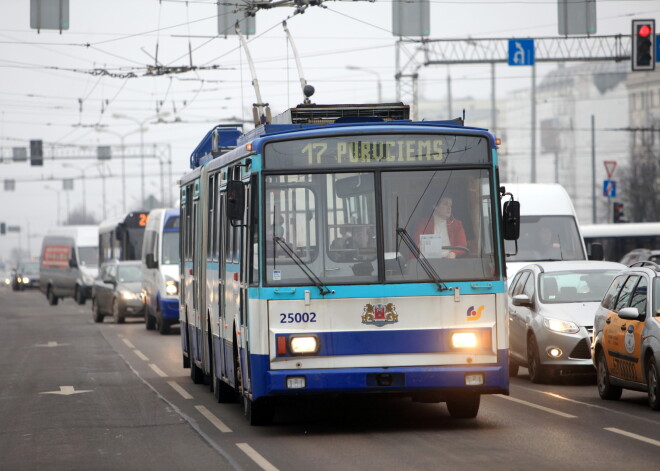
{"x": 303, "y": 266}
{"x": 423, "y": 261}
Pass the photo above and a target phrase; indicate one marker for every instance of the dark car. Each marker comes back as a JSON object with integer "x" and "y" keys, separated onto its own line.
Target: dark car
{"x": 116, "y": 292}
{"x": 25, "y": 276}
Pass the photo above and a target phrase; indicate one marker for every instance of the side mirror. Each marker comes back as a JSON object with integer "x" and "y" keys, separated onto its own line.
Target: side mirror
{"x": 597, "y": 252}
{"x": 521, "y": 300}
{"x": 235, "y": 200}
{"x": 631, "y": 313}
{"x": 511, "y": 220}
{"x": 109, "y": 279}
{"x": 150, "y": 261}
{"x": 73, "y": 263}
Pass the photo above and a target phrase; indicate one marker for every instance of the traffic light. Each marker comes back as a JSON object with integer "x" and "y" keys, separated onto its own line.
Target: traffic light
{"x": 617, "y": 212}
{"x": 643, "y": 45}
{"x": 36, "y": 153}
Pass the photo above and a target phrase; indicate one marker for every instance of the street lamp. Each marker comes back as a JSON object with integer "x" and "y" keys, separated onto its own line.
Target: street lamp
{"x": 82, "y": 172}
{"x": 370, "y": 71}
{"x": 141, "y": 130}
{"x": 121, "y": 137}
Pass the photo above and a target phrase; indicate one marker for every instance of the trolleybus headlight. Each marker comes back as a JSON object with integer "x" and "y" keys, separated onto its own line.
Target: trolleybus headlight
{"x": 304, "y": 344}
{"x": 558, "y": 325}
{"x": 171, "y": 287}
{"x": 464, "y": 340}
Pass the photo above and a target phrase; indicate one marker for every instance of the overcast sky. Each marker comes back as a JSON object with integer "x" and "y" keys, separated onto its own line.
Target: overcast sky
{"x": 66, "y": 88}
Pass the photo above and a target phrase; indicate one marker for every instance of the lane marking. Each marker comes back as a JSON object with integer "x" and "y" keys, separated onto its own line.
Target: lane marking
{"x": 67, "y": 391}
{"x": 633, "y": 435}
{"x": 128, "y": 343}
{"x": 180, "y": 390}
{"x": 52, "y": 344}
{"x": 158, "y": 371}
{"x": 219, "y": 424}
{"x": 256, "y": 457}
{"x": 141, "y": 355}
{"x": 536, "y": 406}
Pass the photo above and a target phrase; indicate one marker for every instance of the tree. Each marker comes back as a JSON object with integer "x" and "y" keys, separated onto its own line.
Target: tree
{"x": 638, "y": 182}
{"x": 78, "y": 217}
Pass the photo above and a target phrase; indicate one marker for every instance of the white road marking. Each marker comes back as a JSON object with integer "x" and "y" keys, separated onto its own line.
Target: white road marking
{"x": 633, "y": 435}
{"x": 52, "y": 344}
{"x": 141, "y": 355}
{"x": 536, "y": 406}
{"x": 219, "y": 424}
{"x": 67, "y": 391}
{"x": 180, "y": 390}
{"x": 128, "y": 343}
{"x": 158, "y": 371}
{"x": 256, "y": 457}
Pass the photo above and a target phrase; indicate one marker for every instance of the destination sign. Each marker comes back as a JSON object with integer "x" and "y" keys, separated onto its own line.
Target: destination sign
{"x": 377, "y": 151}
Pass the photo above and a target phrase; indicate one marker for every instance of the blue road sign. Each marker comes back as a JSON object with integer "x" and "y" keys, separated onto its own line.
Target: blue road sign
{"x": 521, "y": 52}
{"x": 609, "y": 188}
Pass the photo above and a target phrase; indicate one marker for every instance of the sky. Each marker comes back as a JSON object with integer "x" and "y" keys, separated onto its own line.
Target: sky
{"x": 90, "y": 85}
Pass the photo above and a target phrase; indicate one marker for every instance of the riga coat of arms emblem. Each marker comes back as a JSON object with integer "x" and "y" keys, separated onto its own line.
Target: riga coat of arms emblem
{"x": 380, "y": 314}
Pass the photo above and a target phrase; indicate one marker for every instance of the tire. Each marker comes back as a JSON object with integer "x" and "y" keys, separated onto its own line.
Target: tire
{"x": 79, "y": 296}
{"x": 149, "y": 321}
{"x": 222, "y": 392}
{"x": 163, "y": 324}
{"x": 538, "y": 374}
{"x": 119, "y": 317}
{"x": 52, "y": 299}
{"x": 259, "y": 412}
{"x": 653, "y": 382}
{"x": 96, "y": 311}
{"x": 465, "y": 406}
{"x": 605, "y": 389}
{"x": 513, "y": 368}
{"x": 196, "y": 373}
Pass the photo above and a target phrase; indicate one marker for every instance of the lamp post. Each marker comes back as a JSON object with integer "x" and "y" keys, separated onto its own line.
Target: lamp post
{"x": 370, "y": 71}
{"x": 82, "y": 173}
{"x": 59, "y": 220}
{"x": 141, "y": 129}
{"x": 122, "y": 137}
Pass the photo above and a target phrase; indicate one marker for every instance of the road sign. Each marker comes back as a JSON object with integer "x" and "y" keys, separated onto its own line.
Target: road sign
{"x": 610, "y": 166}
{"x": 521, "y": 52}
{"x": 609, "y": 188}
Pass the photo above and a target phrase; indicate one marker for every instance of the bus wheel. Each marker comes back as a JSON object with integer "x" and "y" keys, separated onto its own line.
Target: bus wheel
{"x": 163, "y": 324}
{"x": 52, "y": 299}
{"x": 79, "y": 296}
{"x": 196, "y": 373}
{"x": 465, "y": 406}
{"x": 222, "y": 392}
{"x": 260, "y": 411}
{"x": 96, "y": 311}
{"x": 149, "y": 321}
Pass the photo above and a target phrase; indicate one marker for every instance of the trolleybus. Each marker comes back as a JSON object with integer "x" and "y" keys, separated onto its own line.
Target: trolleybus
{"x": 312, "y": 261}
{"x": 120, "y": 238}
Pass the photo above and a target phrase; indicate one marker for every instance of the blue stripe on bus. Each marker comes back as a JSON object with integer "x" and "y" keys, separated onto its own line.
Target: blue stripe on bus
{"x": 377, "y": 291}
{"x": 361, "y": 380}
{"x": 386, "y": 342}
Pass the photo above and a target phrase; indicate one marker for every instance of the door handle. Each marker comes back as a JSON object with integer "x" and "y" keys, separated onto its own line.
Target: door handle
{"x": 623, "y": 327}
{"x": 608, "y": 321}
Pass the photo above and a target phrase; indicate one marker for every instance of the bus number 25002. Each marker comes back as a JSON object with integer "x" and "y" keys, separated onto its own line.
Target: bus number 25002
{"x": 295, "y": 317}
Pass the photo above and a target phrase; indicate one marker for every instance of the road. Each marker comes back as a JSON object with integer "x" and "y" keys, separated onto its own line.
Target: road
{"x": 76, "y": 395}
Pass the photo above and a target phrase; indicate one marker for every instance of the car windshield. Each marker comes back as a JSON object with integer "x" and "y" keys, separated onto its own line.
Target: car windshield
{"x": 31, "y": 268}
{"x": 546, "y": 238}
{"x": 170, "y": 248}
{"x": 89, "y": 255}
{"x": 575, "y": 286}
{"x": 129, "y": 274}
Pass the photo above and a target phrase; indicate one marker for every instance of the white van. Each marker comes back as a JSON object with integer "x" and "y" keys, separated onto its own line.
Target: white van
{"x": 549, "y": 228}
{"x": 160, "y": 269}
{"x": 69, "y": 263}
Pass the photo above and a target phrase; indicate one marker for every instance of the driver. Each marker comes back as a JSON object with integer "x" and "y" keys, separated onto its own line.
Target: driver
{"x": 444, "y": 224}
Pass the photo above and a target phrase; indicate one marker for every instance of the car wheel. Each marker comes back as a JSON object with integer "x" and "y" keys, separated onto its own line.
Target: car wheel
{"x": 96, "y": 311}
{"x": 465, "y": 406}
{"x": 79, "y": 296}
{"x": 605, "y": 389}
{"x": 652, "y": 380}
{"x": 52, "y": 299}
{"x": 120, "y": 318}
{"x": 513, "y": 368}
{"x": 163, "y": 324}
{"x": 538, "y": 374}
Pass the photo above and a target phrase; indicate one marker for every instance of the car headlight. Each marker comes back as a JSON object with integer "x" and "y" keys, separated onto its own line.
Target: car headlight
{"x": 26, "y": 280}
{"x": 558, "y": 325}
{"x": 128, "y": 295}
{"x": 171, "y": 287}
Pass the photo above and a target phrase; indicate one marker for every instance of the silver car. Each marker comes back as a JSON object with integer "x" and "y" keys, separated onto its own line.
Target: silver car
{"x": 551, "y": 314}
{"x": 116, "y": 291}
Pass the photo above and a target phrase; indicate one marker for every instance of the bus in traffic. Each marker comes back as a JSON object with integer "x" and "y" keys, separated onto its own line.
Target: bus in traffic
{"x": 345, "y": 249}
{"x": 120, "y": 238}
{"x": 621, "y": 239}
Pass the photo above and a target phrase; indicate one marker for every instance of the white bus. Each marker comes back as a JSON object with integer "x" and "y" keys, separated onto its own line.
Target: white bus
{"x": 619, "y": 239}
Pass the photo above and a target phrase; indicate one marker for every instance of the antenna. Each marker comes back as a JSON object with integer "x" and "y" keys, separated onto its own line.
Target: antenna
{"x": 307, "y": 90}
{"x": 260, "y": 110}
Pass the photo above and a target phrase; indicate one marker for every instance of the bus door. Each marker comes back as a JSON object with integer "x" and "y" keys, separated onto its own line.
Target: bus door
{"x": 224, "y": 325}
{"x": 196, "y": 318}
{"x": 244, "y": 256}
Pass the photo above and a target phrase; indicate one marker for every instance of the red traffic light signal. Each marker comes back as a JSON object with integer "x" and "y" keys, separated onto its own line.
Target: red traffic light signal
{"x": 617, "y": 212}
{"x": 643, "y": 45}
